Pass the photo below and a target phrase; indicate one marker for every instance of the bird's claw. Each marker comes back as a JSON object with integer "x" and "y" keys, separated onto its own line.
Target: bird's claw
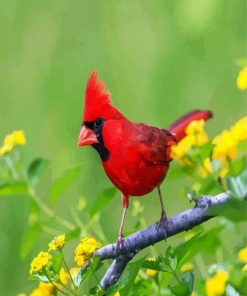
{"x": 164, "y": 223}
{"x": 121, "y": 243}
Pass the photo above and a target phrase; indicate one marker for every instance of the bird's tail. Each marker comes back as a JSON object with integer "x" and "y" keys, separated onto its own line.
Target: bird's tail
{"x": 179, "y": 126}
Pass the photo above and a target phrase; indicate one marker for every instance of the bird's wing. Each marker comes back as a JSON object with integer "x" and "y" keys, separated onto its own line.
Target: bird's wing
{"x": 154, "y": 144}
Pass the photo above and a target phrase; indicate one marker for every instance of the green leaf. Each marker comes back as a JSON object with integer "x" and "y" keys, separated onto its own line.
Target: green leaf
{"x": 233, "y": 209}
{"x": 16, "y": 188}
{"x": 57, "y": 262}
{"x": 142, "y": 287}
{"x": 188, "y": 278}
{"x": 102, "y": 200}
{"x": 238, "y": 185}
{"x": 62, "y": 183}
{"x": 198, "y": 154}
{"x": 164, "y": 283}
{"x": 181, "y": 290}
{"x": 155, "y": 265}
{"x": 208, "y": 184}
{"x": 128, "y": 277}
{"x": 36, "y": 170}
{"x": 80, "y": 276}
{"x": 170, "y": 259}
{"x": 236, "y": 167}
{"x": 114, "y": 289}
{"x": 38, "y": 277}
{"x": 47, "y": 274}
{"x": 207, "y": 241}
{"x": 75, "y": 233}
{"x": 29, "y": 239}
{"x": 86, "y": 273}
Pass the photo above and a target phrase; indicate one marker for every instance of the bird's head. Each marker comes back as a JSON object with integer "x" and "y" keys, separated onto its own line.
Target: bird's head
{"x": 98, "y": 110}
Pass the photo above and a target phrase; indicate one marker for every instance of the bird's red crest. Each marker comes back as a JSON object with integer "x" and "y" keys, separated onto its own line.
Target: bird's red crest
{"x": 97, "y": 100}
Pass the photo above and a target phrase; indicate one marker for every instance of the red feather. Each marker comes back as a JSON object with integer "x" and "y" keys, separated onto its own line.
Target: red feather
{"x": 179, "y": 126}
{"x": 98, "y": 100}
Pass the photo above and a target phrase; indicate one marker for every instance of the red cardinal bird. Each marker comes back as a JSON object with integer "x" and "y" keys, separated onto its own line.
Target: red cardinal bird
{"x": 135, "y": 156}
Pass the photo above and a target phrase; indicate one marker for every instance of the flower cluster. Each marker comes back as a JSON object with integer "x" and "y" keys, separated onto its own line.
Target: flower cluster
{"x": 195, "y": 136}
{"x": 226, "y": 143}
{"x": 12, "y": 140}
{"x": 44, "y": 289}
{"x": 222, "y": 149}
{"x": 85, "y": 249}
{"x": 43, "y": 265}
{"x": 57, "y": 243}
{"x": 40, "y": 262}
{"x": 215, "y": 286}
{"x": 50, "y": 289}
{"x": 43, "y": 258}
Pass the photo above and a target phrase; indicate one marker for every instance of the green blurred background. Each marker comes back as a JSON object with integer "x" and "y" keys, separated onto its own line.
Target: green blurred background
{"x": 158, "y": 58}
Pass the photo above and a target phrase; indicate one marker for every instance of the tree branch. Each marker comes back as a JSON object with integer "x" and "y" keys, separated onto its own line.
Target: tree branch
{"x": 154, "y": 233}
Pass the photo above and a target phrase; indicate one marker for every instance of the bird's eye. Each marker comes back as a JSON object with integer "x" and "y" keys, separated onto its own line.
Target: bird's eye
{"x": 98, "y": 122}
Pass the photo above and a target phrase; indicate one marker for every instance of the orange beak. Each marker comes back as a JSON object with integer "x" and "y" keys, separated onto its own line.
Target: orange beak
{"x": 86, "y": 137}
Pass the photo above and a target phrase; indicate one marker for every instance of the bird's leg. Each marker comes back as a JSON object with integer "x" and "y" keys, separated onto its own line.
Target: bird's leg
{"x": 163, "y": 218}
{"x": 120, "y": 241}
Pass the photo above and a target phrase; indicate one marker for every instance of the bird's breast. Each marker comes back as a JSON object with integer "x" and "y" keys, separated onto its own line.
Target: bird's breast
{"x": 134, "y": 176}
{"x": 126, "y": 167}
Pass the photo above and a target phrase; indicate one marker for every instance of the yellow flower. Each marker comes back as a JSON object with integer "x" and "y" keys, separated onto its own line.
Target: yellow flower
{"x": 117, "y": 294}
{"x": 151, "y": 272}
{"x": 223, "y": 172}
{"x": 74, "y": 272}
{"x": 186, "y": 267}
{"x": 40, "y": 262}
{"x": 85, "y": 249}
{"x": 205, "y": 168}
{"x": 196, "y": 129}
{"x": 19, "y": 137}
{"x": 180, "y": 150}
{"x": 225, "y": 147}
{"x": 242, "y": 79}
{"x": 90, "y": 245}
{"x": 11, "y": 140}
{"x": 239, "y": 130}
{"x": 57, "y": 243}
{"x": 63, "y": 276}
{"x": 195, "y": 136}
{"x": 208, "y": 166}
{"x": 44, "y": 289}
{"x": 80, "y": 258}
{"x": 242, "y": 255}
{"x": 215, "y": 286}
